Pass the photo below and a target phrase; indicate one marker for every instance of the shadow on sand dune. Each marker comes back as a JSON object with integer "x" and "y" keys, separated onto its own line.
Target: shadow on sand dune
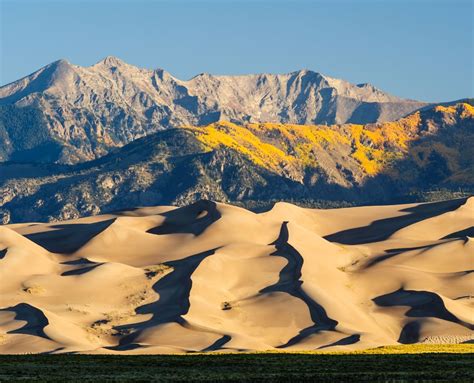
{"x": 81, "y": 270}
{"x": 193, "y": 219}
{"x": 351, "y": 339}
{"x": 381, "y": 230}
{"x": 410, "y": 333}
{"x": 290, "y": 282}
{"x": 84, "y": 266}
{"x": 394, "y": 252}
{"x": 68, "y": 238}
{"x": 35, "y": 320}
{"x": 468, "y": 232}
{"x": 422, "y": 304}
{"x": 174, "y": 290}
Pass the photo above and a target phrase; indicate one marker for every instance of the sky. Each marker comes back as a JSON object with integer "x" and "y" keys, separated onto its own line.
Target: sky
{"x": 418, "y": 49}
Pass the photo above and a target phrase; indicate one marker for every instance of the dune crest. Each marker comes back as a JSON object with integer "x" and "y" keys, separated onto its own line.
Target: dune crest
{"x": 210, "y": 276}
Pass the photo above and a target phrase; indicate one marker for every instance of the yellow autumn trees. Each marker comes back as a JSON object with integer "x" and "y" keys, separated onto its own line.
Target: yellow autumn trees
{"x": 275, "y": 146}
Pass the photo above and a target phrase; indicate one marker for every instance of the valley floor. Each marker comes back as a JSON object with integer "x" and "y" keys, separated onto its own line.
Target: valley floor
{"x": 452, "y": 363}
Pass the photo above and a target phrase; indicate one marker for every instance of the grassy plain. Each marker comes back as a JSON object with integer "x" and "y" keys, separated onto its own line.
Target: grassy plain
{"x": 447, "y": 363}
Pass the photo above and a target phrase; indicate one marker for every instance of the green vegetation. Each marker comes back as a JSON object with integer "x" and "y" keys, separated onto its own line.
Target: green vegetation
{"x": 426, "y": 156}
{"x": 382, "y": 364}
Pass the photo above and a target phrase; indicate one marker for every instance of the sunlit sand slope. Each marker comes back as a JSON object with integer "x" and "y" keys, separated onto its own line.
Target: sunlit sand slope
{"x": 210, "y": 276}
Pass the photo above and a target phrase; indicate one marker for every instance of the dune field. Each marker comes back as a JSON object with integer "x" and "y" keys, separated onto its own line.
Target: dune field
{"x": 214, "y": 277}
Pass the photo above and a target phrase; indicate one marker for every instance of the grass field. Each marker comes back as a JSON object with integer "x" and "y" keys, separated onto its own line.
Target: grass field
{"x": 404, "y": 363}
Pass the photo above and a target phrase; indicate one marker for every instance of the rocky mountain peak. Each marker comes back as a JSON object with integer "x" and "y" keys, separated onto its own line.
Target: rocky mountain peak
{"x": 111, "y": 61}
{"x": 88, "y": 110}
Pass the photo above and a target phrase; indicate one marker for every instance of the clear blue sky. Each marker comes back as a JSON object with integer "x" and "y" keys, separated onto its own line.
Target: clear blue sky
{"x": 416, "y": 49}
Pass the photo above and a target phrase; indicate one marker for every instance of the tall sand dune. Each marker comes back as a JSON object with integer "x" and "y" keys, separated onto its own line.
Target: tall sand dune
{"x": 214, "y": 277}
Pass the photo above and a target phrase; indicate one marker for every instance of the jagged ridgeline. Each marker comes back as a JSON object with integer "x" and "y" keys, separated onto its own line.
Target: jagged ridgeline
{"x": 65, "y": 113}
{"x": 254, "y": 164}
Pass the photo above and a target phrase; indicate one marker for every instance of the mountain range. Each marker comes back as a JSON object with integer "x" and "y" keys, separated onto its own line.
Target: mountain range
{"x": 253, "y": 164}
{"x": 78, "y": 141}
{"x": 65, "y": 113}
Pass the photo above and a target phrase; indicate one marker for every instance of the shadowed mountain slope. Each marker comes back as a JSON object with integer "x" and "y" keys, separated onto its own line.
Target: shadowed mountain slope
{"x": 253, "y": 163}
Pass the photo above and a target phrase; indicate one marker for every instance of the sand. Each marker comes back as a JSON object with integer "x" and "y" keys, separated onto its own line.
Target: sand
{"x": 214, "y": 277}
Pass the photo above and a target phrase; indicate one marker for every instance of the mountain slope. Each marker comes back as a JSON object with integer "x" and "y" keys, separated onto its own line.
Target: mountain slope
{"x": 255, "y": 163}
{"x": 66, "y": 113}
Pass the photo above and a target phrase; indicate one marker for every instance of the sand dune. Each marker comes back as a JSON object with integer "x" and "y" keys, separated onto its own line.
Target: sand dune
{"x": 211, "y": 276}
